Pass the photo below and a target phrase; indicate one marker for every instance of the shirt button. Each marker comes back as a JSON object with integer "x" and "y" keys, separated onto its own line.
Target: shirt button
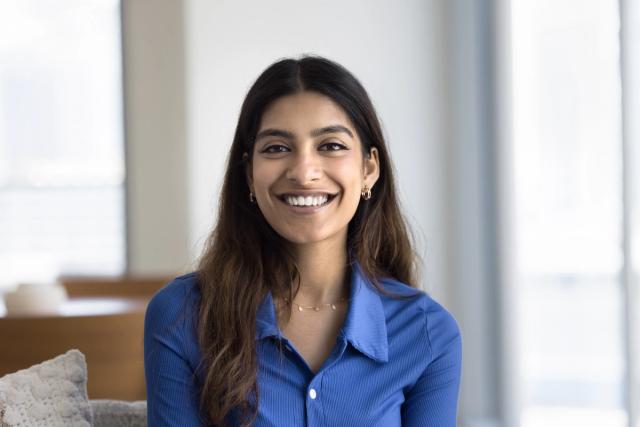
{"x": 312, "y": 393}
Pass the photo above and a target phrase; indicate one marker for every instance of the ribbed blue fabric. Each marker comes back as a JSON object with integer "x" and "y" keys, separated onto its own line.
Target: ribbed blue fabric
{"x": 395, "y": 363}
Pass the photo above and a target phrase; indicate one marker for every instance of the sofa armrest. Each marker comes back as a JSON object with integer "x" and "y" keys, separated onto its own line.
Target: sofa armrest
{"x": 119, "y": 413}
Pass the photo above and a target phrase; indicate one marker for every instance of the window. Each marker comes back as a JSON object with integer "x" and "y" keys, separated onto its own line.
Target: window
{"x": 61, "y": 140}
{"x": 571, "y": 212}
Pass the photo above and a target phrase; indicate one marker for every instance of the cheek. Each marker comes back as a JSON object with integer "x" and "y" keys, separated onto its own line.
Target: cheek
{"x": 263, "y": 175}
{"x": 351, "y": 183}
{"x": 349, "y": 173}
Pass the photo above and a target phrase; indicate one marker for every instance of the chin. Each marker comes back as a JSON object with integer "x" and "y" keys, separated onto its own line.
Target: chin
{"x": 304, "y": 237}
{"x": 303, "y": 240}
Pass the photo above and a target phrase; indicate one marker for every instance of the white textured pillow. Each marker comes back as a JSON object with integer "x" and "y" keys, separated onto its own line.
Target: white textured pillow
{"x": 50, "y": 394}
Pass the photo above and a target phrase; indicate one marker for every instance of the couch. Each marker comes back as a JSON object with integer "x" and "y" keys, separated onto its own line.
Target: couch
{"x": 54, "y": 394}
{"x": 118, "y": 413}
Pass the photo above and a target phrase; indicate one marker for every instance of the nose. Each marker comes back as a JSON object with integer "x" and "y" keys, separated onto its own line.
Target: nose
{"x": 304, "y": 168}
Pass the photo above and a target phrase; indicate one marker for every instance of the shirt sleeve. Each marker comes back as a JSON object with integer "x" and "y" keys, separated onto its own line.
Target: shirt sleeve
{"x": 172, "y": 397}
{"x": 432, "y": 401}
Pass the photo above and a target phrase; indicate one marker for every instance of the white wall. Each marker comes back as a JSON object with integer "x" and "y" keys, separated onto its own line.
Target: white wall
{"x": 394, "y": 48}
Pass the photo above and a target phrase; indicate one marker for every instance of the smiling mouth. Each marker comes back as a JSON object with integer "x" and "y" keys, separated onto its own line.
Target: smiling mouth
{"x": 299, "y": 201}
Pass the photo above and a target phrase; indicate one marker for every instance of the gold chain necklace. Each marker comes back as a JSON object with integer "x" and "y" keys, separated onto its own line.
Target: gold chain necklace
{"x": 316, "y": 307}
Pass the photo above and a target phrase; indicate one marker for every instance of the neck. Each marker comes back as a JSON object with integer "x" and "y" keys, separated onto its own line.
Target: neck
{"x": 323, "y": 269}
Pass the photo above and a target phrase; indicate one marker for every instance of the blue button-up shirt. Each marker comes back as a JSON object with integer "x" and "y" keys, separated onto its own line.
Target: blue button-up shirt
{"x": 395, "y": 362}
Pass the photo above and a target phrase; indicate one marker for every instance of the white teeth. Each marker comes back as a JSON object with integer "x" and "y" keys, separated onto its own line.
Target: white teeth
{"x": 306, "y": 201}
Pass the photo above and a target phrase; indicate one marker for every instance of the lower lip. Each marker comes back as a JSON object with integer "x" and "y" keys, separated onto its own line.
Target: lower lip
{"x": 307, "y": 209}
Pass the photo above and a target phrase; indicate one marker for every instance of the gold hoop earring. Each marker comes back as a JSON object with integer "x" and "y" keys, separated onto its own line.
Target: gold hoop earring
{"x": 366, "y": 193}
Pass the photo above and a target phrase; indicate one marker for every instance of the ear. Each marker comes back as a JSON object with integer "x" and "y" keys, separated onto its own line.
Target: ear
{"x": 371, "y": 167}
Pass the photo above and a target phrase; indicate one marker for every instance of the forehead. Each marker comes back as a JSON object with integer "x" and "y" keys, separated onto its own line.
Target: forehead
{"x": 304, "y": 110}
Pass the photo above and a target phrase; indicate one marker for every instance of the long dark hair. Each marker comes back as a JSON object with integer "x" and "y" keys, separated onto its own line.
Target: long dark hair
{"x": 244, "y": 258}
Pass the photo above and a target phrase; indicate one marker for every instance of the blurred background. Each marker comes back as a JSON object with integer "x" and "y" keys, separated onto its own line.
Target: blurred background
{"x": 513, "y": 126}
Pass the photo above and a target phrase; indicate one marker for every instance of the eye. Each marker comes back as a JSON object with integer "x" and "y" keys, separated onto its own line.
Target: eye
{"x": 333, "y": 146}
{"x": 276, "y": 148}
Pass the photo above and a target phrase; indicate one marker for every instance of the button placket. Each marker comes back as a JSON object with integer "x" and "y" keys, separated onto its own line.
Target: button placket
{"x": 315, "y": 407}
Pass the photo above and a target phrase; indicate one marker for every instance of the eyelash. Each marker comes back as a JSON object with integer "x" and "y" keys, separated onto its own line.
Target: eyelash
{"x": 267, "y": 150}
{"x": 341, "y": 147}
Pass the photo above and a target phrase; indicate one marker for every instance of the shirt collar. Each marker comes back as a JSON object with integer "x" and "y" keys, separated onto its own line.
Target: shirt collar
{"x": 266, "y": 321}
{"x": 365, "y": 326}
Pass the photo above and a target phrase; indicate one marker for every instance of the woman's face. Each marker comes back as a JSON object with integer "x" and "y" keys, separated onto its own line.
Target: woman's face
{"x": 308, "y": 170}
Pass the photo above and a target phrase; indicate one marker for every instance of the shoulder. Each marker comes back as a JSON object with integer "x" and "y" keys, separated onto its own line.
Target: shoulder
{"x": 179, "y": 287}
{"x": 175, "y": 299}
{"x": 417, "y": 309}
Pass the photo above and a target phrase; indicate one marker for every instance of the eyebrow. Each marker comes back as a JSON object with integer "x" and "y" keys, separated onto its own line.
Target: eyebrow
{"x": 315, "y": 133}
{"x": 331, "y": 129}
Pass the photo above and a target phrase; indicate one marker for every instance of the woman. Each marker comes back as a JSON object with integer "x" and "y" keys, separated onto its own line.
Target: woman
{"x": 302, "y": 310}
